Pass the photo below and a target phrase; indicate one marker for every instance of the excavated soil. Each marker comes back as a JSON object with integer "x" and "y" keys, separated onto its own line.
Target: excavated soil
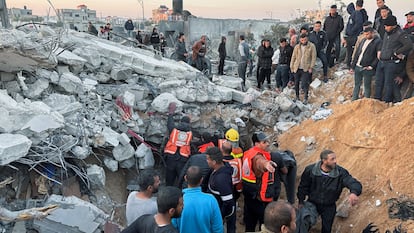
{"x": 375, "y": 143}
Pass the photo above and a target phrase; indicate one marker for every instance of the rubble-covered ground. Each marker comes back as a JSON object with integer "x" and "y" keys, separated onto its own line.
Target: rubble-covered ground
{"x": 80, "y": 116}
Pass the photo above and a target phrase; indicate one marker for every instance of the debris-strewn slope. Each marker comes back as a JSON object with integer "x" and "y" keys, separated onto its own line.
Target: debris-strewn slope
{"x": 375, "y": 143}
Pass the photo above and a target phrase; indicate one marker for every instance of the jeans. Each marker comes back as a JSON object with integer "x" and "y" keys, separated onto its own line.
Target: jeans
{"x": 350, "y": 43}
{"x": 331, "y": 43}
{"x": 231, "y": 223}
{"x": 129, "y": 33}
{"x": 242, "y": 71}
{"x": 305, "y": 78}
{"x": 384, "y": 80}
{"x": 360, "y": 74}
{"x": 282, "y": 75}
{"x": 321, "y": 55}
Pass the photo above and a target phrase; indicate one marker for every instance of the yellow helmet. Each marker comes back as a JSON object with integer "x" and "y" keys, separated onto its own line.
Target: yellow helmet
{"x": 232, "y": 135}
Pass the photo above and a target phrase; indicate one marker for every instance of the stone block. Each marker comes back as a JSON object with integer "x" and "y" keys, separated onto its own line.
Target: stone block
{"x": 69, "y": 58}
{"x": 129, "y": 163}
{"x": 316, "y": 83}
{"x": 96, "y": 175}
{"x": 285, "y": 126}
{"x": 111, "y": 164}
{"x": 245, "y": 97}
{"x": 111, "y": 136}
{"x": 53, "y": 76}
{"x": 36, "y": 89}
{"x": 220, "y": 94}
{"x": 227, "y": 81}
{"x": 124, "y": 139}
{"x": 40, "y": 123}
{"x": 161, "y": 103}
{"x": 13, "y": 147}
{"x": 123, "y": 152}
{"x": 91, "y": 54}
{"x": 284, "y": 103}
{"x": 71, "y": 83}
{"x": 119, "y": 72}
{"x": 128, "y": 98}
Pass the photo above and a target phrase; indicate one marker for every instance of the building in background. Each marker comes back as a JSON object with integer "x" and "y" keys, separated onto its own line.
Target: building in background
{"x": 78, "y": 17}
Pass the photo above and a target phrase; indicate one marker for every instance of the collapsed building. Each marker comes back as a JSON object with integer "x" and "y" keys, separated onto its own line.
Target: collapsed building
{"x": 75, "y": 108}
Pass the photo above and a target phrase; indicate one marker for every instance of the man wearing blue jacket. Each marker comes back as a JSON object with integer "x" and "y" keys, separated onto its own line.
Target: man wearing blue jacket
{"x": 201, "y": 211}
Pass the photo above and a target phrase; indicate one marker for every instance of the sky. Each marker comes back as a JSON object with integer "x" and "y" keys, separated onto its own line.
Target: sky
{"x": 241, "y": 9}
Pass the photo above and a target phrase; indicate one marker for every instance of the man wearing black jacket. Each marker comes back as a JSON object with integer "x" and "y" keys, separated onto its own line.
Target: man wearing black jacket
{"x": 222, "y": 55}
{"x": 365, "y": 62}
{"x": 282, "y": 70}
{"x": 333, "y": 26}
{"x": 318, "y": 37}
{"x": 322, "y": 183}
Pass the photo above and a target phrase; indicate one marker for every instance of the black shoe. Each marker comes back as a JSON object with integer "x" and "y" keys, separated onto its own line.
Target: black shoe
{"x": 325, "y": 79}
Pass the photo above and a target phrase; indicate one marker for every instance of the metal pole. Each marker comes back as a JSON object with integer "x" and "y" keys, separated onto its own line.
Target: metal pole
{"x": 4, "y": 15}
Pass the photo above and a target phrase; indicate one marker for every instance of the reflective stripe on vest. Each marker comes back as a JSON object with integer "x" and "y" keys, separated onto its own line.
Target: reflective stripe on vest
{"x": 267, "y": 189}
{"x": 236, "y": 165}
{"x": 179, "y": 139}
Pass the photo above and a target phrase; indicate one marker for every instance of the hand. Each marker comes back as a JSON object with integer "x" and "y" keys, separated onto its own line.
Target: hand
{"x": 370, "y": 228}
{"x": 171, "y": 107}
{"x": 398, "y": 80}
{"x": 270, "y": 166}
{"x": 310, "y": 71}
{"x": 353, "y": 199}
{"x": 368, "y": 68}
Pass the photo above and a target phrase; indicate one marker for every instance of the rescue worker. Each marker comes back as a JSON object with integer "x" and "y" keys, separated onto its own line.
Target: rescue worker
{"x": 257, "y": 177}
{"x": 177, "y": 149}
{"x": 236, "y": 164}
{"x": 232, "y": 136}
{"x": 206, "y": 142}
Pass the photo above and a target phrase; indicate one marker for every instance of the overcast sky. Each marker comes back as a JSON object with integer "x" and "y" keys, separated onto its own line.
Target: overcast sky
{"x": 242, "y": 9}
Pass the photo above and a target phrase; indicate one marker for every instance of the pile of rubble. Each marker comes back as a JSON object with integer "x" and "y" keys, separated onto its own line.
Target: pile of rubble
{"x": 66, "y": 96}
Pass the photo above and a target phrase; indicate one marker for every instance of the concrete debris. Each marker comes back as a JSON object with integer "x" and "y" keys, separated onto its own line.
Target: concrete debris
{"x": 81, "y": 152}
{"x": 322, "y": 114}
{"x": 110, "y": 136}
{"x": 71, "y": 83}
{"x": 111, "y": 164}
{"x": 96, "y": 175}
{"x": 13, "y": 147}
{"x": 161, "y": 103}
{"x": 316, "y": 83}
{"x": 124, "y": 139}
{"x": 285, "y": 126}
{"x": 34, "y": 90}
{"x": 40, "y": 123}
{"x": 73, "y": 215}
{"x": 123, "y": 152}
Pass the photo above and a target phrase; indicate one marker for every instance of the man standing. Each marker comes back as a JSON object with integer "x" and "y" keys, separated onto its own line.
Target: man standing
{"x": 170, "y": 206}
{"x": 301, "y": 65}
{"x": 409, "y": 26}
{"x": 258, "y": 184}
{"x": 279, "y": 217}
{"x": 395, "y": 47}
{"x": 155, "y": 39}
{"x": 180, "y": 50}
{"x": 178, "y": 148}
{"x": 354, "y": 27}
{"x": 380, "y": 3}
{"x": 142, "y": 202}
{"x": 379, "y": 22}
{"x": 318, "y": 38}
{"x": 129, "y": 27}
{"x": 221, "y": 186}
{"x": 265, "y": 54}
{"x": 236, "y": 164}
{"x": 365, "y": 62}
{"x": 222, "y": 55}
{"x": 333, "y": 26}
{"x": 322, "y": 184}
{"x": 199, "y": 53}
{"x": 282, "y": 69}
{"x": 201, "y": 213}
{"x": 244, "y": 57}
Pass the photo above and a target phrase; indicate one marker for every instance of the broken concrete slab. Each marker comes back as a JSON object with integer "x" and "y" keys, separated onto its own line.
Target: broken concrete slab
{"x": 40, "y": 123}
{"x": 316, "y": 83}
{"x": 285, "y": 103}
{"x": 285, "y": 126}
{"x": 245, "y": 97}
{"x": 128, "y": 98}
{"x": 81, "y": 152}
{"x": 13, "y": 147}
{"x": 67, "y": 57}
{"x": 124, "y": 139}
{"x": 91, "y": 54}
{"x": 71, "y": 83}
{"x": 123, "y": 152}
{"x": 110, "y": 136}
{"x": 161, "y": 103}
{"x": 220, "y": 94}
{"x": 53, "y": 76}
{"x": 227, "y": 81}
{"x": 120, "y": 72}
{"x": 36, "y": 89}
{"x": 111, "y": 164}
{"x": 74, "y": 215}
{"x": 96, "y": 175}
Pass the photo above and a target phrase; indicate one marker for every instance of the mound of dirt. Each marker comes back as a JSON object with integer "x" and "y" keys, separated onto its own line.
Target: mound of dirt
{"x": 375, "y": 143}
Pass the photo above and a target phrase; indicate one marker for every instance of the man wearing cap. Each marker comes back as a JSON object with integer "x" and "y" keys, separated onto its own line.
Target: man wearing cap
{"x": 409, "y": 26}
{"x": 257, "y": 175}
{"x": 177, "y": 149}
{"x": 395, "y": 48}
{"x": 365, "y": 62}
{"x": 333, "y": 26}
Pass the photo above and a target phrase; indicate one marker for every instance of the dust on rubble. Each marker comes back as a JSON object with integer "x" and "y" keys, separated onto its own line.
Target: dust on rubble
{"x": 375, "y": 143}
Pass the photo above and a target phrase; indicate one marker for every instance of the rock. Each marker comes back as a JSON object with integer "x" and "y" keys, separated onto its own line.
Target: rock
{"x": 40, "y": 123}
{"x": 322, "y": 114}
{"x": 161, "y": 103}
{"x": 120, "y": 72}
{"x": 81, "y": 152}
{"x": 111, "y": 164}
{"x": 91, "y": 54}
{"x": 124, "y": 139}
{"x": 12, "y": 87}
{"x": 340, "y": 73}
{"x": 69, "y": 58}
{"x": 171, "y": 84}
{"x": 71, "y": 83}
{"x": 128, "y": 98}
{"x": 64, "y": 104}
{"x": 316, "y": 83}
{"x": 227, "y": 81}
{"x": 341, "y": 99}
{"x": 284, "y": 103}
{"x": 53, "y": 76}
{"x": 36, "y": 89}
{"x": 221, "y": 94}
{"x": 123, "y": 152}
{"x": 89, "y": 84}
{"x": 128, "y": 163}
{"x": 96, "y": 175}
{"x": 101, "y": 77}
{"x": 13, "y": 147}
{"x": 110, "y": 136}
{"x": 245, "y": 97}
{"x": 285, "y": 126}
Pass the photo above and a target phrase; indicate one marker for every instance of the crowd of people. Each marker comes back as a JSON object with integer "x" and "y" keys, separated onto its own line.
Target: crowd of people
{"x": 216, "y": 170}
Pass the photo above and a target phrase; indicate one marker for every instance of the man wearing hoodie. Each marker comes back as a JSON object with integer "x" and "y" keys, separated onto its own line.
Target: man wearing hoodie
{"x": 221, "y": 186}
{"x": 354, "y": 27}
{"x": 333, "y": 26}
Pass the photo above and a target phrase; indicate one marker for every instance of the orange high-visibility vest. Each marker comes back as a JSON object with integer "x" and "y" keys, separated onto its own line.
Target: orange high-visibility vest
{"x": 266, "y": 182}
{"x": 179, "y": 139}
{"x": 236, "y": 164}
{"x": 203, "y": 148}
